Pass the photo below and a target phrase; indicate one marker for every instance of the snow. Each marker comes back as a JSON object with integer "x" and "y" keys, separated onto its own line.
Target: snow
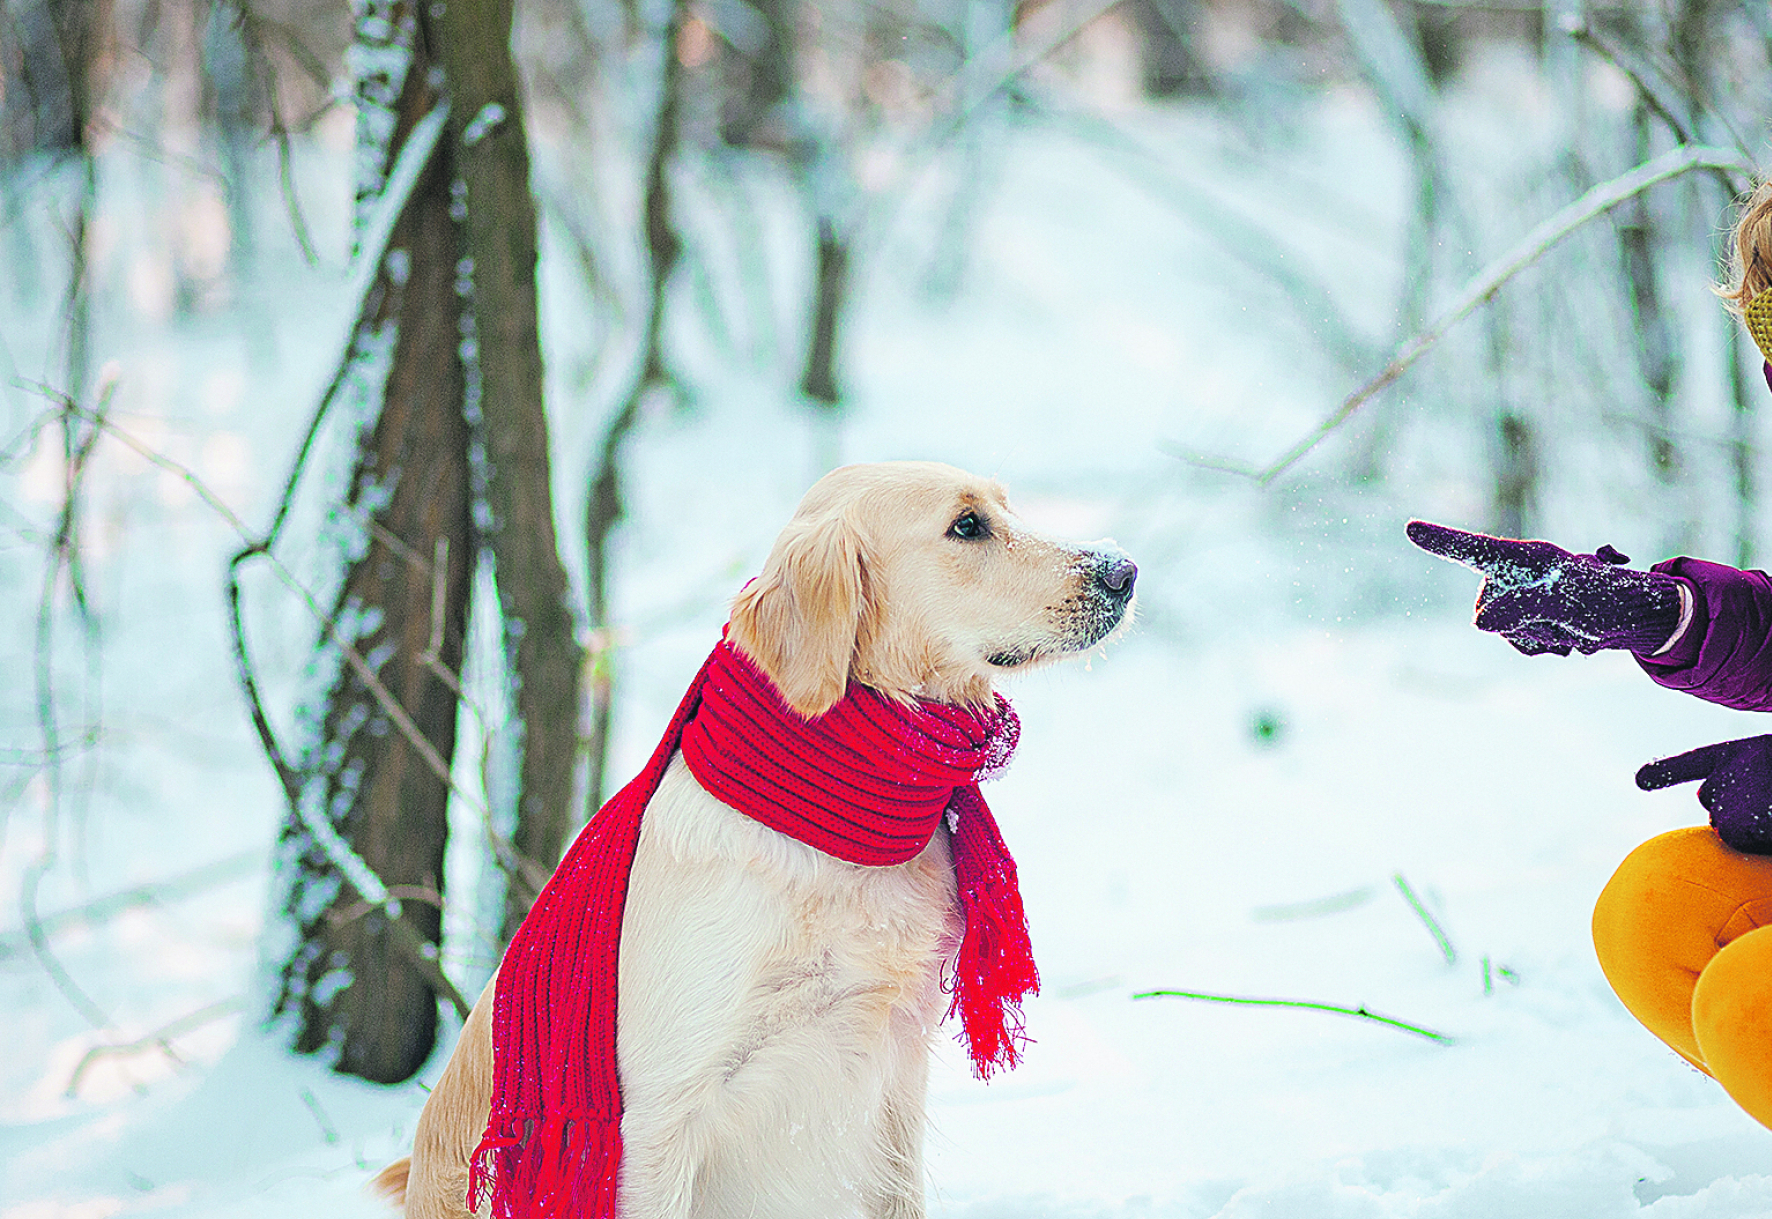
{"x": 1222, "y": 802}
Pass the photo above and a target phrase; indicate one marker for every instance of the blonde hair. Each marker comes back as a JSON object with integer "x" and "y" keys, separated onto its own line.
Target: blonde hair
{"x": 1750, "y": 262}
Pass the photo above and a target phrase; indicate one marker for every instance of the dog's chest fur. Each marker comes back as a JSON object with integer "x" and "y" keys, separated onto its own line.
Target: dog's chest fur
{"x": 775, "y": 1007}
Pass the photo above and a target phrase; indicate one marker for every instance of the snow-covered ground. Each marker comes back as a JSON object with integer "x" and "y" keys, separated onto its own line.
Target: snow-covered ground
{"x": 1233, "y": 800}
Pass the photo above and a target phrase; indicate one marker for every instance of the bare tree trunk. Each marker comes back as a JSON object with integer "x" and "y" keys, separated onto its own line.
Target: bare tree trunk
{"x": 981, "y": 23}
{"x": 503, "y": 403}
{"x": 82, "y": 35}
{"x": 1689, "y": 40}
{"x": 1516, "y": 476}
{"x": 763, "y": 80}
{"x": 1168, "y": 34}
{"x": 830, "y": 295}
{"x": 351, "y": 984}
{"x": 1396, "y": 65}
{"x": 233, "y": 99}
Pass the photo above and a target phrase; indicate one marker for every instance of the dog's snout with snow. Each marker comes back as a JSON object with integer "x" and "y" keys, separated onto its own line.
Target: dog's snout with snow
{"x": 1106, "y": 601}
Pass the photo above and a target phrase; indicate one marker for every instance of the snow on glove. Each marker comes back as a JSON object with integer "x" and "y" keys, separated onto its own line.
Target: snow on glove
{"x": 1737, "y": 788}
{"x": 1541, "y": 598}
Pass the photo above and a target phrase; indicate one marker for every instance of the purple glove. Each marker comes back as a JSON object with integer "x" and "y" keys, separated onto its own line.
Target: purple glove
{"x": 1541, "y": 598}
{"x": 1737, "y": 788}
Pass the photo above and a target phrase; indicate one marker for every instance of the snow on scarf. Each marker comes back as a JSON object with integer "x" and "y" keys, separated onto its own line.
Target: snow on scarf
{"x": 869, "y": 782}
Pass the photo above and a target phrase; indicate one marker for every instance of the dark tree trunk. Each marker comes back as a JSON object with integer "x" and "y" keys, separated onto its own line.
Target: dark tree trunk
{"x": 82, "y": 37}
{"x": 67, "y": 92}
{"x": 760, "y": 78}
{"x": 830, "y": 294}
{"x": 502, "y": 400}
{"x": 1516, "y": 475}
{"x": 1168, "y": 34}
{"x": 352, "y": 985}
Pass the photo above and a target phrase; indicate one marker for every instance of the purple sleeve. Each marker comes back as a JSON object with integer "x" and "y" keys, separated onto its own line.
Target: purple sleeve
{"x": 1725, "y": 656}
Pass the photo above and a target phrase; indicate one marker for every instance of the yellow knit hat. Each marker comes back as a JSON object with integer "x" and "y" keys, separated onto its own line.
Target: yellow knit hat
{"x": 1758, "y": 316}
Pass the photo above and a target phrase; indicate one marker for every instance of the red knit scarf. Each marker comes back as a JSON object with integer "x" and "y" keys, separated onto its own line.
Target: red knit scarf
{"x": 868, "y": 781}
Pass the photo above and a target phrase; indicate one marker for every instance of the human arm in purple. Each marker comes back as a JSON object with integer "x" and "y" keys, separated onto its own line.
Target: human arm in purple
{"x": 1723, "y": 656}
{"x": 1725, "y": 653}
{"x": 1693, "y": 626}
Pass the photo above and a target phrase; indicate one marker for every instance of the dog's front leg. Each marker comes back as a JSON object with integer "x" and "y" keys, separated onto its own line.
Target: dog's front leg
{"x": 898, "y": 1192}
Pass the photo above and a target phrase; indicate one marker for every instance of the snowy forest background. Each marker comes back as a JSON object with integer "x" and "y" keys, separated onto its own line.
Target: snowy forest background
{"x": 343, "y": 566}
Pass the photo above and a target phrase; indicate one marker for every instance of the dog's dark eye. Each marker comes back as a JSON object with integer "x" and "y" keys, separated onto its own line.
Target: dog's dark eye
{"x": 968, "y": 525}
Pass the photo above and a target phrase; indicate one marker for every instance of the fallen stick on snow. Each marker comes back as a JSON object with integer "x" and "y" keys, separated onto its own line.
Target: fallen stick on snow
{"x": 1428, "y": 920}
{"x": 1360, "y": 1012}
{"x": 160, "y": 1039}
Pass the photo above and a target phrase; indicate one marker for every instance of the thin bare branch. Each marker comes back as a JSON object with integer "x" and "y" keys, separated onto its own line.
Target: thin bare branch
{"x": 160, "y": 1039}
{"x": 1003, "y": 62}
{"x": 1647, "y": 80}
{"x": 1487, "y": 282}
{"x": 426, "y": 894}
{"x": 1637, "y": 71}
{"x": 62, "y": 559}
{"x": 404, "y": 933}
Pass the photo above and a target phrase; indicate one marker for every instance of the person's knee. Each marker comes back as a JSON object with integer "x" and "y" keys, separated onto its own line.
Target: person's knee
{"x": 1652, "y": 903}
{"x": 1732, "y": 1021}
{"x": 1659, "y": 922}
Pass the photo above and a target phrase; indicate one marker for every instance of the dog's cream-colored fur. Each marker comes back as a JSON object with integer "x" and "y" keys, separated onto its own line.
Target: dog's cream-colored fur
{"x": 776, "y": 1004}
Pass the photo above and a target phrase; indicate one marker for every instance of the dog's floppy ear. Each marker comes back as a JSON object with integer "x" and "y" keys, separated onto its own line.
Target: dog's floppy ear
{"x": 800, "y": 618}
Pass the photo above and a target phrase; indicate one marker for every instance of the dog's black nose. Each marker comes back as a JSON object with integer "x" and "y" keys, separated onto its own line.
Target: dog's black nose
{"x": 1118, "y": 576}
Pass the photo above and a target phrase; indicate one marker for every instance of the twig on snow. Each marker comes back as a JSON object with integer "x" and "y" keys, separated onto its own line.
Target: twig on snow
{"x": 160, "y": 1039}
{"x": 1335, "y": 903}
{"x": 328, "y": 1130}
{"x": 1428, "y": 920}
{"x": 1361, "y": 1012}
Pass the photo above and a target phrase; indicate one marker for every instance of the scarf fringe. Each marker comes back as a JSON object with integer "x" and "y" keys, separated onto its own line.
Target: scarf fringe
{"x": 993, "y": 972}
{"x": 569, "y": 1169}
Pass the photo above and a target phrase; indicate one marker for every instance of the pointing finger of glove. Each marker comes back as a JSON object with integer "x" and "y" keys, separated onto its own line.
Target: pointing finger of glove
{"x": 1477, "y": 550}
{"x": 1682, "y": 767}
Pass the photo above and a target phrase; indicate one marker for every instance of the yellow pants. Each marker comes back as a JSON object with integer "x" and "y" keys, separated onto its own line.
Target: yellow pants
{"x": 1682, "y": 932}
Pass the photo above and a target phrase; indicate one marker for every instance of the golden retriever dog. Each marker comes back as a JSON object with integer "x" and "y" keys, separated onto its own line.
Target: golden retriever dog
{"x": 775, "y": 1004}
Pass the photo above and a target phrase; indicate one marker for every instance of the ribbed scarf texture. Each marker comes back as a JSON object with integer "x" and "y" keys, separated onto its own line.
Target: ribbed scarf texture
{"x": 869, "y": 782}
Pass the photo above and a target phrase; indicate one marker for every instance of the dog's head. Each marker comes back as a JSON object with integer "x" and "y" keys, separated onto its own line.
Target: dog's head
{"x": 916, "y": 579}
